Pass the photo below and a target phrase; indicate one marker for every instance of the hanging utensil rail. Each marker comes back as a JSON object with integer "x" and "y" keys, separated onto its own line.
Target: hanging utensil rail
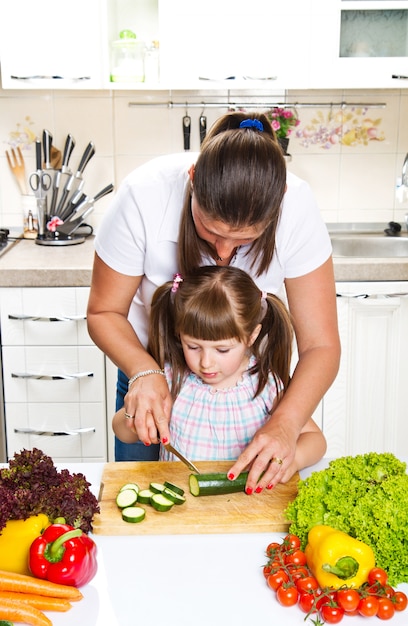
{"x": 258, "y": 105}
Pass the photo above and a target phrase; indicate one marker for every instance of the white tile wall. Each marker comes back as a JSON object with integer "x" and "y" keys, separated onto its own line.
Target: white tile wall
{"x": 351, "y": 182}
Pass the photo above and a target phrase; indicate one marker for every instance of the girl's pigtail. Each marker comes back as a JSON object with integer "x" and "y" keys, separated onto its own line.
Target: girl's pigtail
{"x": 273, "y": 347}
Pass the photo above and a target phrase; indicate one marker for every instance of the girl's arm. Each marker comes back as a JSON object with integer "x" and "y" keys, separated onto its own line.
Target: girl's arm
{"x": 312, "y": 303}
{"x": 148, "y": 398}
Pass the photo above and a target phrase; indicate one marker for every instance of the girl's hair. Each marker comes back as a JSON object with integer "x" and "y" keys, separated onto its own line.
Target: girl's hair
{"x": 216, "y": 303}
{"x": 239, "y": 179}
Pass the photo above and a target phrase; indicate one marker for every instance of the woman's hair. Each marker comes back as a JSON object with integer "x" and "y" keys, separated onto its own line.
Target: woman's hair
{"x": 239, "y": 179}
{"x": 216, "y": 303}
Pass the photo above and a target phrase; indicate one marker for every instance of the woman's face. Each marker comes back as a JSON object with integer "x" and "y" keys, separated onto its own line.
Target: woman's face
{"x": 218, "y": 234}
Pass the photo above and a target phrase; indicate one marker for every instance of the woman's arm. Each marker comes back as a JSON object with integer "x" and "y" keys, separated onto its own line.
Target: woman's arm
{"x": 312, "y": 303}
{"x": 148, "y": 398}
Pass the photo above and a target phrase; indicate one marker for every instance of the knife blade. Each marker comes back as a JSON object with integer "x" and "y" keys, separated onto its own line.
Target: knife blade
{"x": 76, "y": 181}
{"x": 47, "y": 143}
{"x": 174, "y": 451}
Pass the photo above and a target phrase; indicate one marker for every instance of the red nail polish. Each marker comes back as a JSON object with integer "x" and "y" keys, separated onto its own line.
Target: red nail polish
{"x": 147, "y": 443}
{"x": 164, "y": 440}
{"x": 231, "y": 476}
{"x": 258, "y": 489}
{"x": 248, "y": 491}
{"x": 270, "y": 486}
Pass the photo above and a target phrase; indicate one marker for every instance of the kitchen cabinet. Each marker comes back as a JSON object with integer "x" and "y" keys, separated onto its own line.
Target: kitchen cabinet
{"x": 46, "y": 45}
{"x": 54, "y": 376}
{"x": 359, "y": 44}
{"x": 365, "y": 409}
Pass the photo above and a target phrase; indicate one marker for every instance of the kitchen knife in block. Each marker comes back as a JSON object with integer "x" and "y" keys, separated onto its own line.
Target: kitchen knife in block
{"x": 75, "y": 182}
{"x": 47, "y": 144}
{"x": 81, "y": 210}
{"x": 62, "y": 176}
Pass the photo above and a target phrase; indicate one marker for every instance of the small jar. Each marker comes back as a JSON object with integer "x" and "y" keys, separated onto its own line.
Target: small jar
{"x": 30, "y": 218}
{"x": 127, "y": 63}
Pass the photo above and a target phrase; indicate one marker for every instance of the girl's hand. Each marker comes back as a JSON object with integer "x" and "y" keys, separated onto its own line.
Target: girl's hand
{"x": 270, "y": 457}
{"x": 149, "y": 403}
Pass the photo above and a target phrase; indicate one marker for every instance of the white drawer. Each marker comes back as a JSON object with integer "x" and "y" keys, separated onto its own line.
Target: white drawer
{"x": 90, "y": 444}
{"x": 83, "y": 367}
{"x": 44, "y": 316}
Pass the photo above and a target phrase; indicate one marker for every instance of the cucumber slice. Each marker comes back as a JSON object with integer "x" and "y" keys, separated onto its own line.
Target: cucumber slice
{"x": 174, "y": 488}
{"x": 133, "y": 514}
{"x": 133, "y": 486}
{"x": 126, "y": 497}
{"x": 215, "y": 484}
{"x": 144, "y": 496}
{"x": 157, "y": 487}
{"x": 160, "y": 502}
{"x": 173, "y": 496}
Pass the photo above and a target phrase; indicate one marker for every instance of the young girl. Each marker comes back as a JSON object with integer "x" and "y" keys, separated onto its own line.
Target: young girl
{"x": 225, "y": 347}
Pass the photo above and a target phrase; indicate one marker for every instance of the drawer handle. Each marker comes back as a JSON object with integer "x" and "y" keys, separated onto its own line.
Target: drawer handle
{"x": 43, "y": 77}
{"x": 52, "y": 376}
{"x": 375, "y": 296}
{"x": 53, "y": 433}
{"x": 38, "y": 318}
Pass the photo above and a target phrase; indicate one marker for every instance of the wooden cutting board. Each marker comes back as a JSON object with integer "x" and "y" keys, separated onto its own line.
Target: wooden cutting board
{"x": 232, "y": 513}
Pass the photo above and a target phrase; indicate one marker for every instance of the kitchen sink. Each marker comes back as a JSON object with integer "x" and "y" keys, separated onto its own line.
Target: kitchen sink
{"x": 367, "y": 240}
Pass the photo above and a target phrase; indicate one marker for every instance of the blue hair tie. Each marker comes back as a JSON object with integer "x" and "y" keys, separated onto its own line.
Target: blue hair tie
{"x": 252, "y": 124}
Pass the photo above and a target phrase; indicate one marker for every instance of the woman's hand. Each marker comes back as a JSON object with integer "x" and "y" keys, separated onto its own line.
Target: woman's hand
{"x": 269, "y": 457}
{"x": 148, "y": 402}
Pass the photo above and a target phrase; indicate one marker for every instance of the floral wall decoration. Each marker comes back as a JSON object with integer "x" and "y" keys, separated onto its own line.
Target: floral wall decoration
{"x": 23, "y": 136}
{"x": 348, "y": 127}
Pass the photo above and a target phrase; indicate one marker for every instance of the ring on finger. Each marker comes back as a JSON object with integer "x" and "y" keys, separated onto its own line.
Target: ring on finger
{"x": 128, "y": 416}
{"x": 277, "y": 459}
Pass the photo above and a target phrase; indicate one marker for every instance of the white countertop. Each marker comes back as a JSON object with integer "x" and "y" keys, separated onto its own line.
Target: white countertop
{"x": 184, "y": 580}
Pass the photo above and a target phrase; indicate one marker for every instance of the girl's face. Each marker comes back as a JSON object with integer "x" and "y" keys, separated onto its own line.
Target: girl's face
{"x": 224, "y": 239}
{"x": 218, "y": 363}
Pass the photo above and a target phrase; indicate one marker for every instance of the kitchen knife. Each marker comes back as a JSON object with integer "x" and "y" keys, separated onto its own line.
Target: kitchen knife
{"x": 68, "y": 148}
{"x": 47, "y": 143}
{"x": 77, "y": 180}
{"x": 88, "y": 201}
{"x": 77, "y": 199}
{"x": 83, "y": 208}
{"x": 173, "y": 450}
{"x": 203, "y": 127}
{"x": 62, "y": 176}
{"x": 186, "y": 131}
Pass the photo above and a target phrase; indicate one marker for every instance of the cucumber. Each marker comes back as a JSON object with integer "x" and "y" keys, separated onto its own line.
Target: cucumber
{"x": 126, "y": 497}
{"x": 133, "y": 486}
{"x": 174, "y": 488}
{"x": 160, "y": 502}
{"x": 157, "y": 487}
{"x": 145, "y": 495}
{"x": 173, "y": 496}
{"x": 133, "y": 514}
{"x": 215, "y": 484}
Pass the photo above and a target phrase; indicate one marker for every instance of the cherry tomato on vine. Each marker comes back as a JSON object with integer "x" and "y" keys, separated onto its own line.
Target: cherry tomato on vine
{"x": 331, "y": 613}
{"x": 306, "y": 601}
{"x": 400, "y": 601}
{"x": 297, "y": 557}
{"x": 368, "y": 606}
{"x": 348, "y": 599}
{"x": 386, "y": 608}
{"x": 287, "y": 594}
{"x": 276, "y": 579}
{"x": 291, "y": 542}
{"x": 377, "y": 575}
{"x": 272, "y": 548}
{"x": 299, "y": 572}
{"x": 307, "y": 584}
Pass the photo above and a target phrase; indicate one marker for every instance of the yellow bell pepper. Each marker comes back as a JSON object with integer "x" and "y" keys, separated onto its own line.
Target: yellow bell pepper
{"x": 15, "y": 541}
{"x": 336, "y": 559}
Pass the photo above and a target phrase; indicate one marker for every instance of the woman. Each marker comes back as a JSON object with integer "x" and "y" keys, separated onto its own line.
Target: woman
{"x": 236, "y": 206}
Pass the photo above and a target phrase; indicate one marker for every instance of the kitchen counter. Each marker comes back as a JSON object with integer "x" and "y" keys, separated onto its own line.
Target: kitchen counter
{"x": 30, "y": 265}
{"x": 179, "y": 580}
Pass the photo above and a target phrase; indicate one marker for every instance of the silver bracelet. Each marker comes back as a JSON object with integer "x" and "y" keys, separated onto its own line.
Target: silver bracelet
{"x": 145, "y": 373}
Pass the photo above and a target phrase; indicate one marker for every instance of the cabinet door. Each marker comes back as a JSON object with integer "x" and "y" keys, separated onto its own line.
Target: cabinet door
{"x": 359, "y": 44}
{"x": 365, "y": 409}
{"x": 264, "y": 43}
{"x": 48, "y": 44}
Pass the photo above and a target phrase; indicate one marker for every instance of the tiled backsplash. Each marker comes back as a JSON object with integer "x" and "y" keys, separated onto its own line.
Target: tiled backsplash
{"x": 352, "y": 157}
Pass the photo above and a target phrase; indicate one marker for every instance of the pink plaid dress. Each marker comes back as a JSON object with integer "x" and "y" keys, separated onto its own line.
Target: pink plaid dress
{"x": 208, "y": 424}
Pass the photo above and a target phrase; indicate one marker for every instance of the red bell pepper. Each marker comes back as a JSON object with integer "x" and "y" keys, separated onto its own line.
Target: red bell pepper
{"x": 63, "y": 554}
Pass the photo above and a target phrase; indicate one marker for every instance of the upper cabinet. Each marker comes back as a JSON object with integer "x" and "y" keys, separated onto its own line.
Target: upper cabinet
{"x": 359, "y": 44}
{"x": 49, "y": 45}
{"x": 218, "y": 44}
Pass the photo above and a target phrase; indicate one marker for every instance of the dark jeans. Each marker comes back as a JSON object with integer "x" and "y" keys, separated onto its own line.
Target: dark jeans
{"x": 131, "y": 451}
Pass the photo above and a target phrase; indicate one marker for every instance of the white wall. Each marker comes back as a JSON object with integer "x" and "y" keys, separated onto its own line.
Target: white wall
{"x": 354, "y": 182}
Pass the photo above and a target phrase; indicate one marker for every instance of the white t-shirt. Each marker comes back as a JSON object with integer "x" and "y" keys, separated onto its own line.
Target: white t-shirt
{"x": 138, "y": 235}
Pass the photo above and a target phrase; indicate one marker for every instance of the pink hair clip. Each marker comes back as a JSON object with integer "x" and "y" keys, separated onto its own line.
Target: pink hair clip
{"x": 177, "y": 279}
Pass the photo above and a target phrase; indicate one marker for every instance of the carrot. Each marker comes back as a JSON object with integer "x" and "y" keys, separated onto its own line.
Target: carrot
{"x": 10, "y": 581}
{"x": 43, "y": 603}
{"x": 21, "y": 612}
